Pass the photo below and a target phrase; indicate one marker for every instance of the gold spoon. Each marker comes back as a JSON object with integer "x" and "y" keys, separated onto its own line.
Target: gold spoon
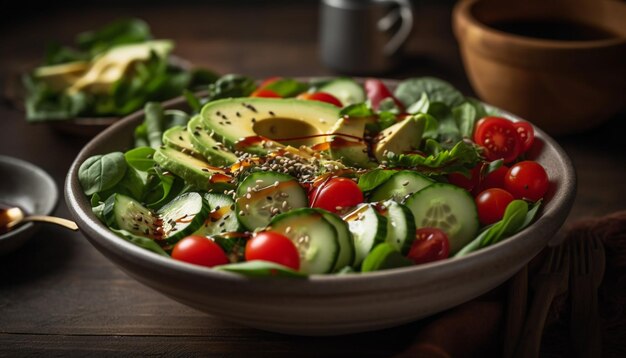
{"x": 11, "y": 217}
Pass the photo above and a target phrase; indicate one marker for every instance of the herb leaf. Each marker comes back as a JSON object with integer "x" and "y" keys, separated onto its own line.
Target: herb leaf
{"x": 462, "y": 157}
{"x": 259, "y": 268}
{"x": 411, "y": 91}
{"x": 372, "y": 179}
{"x": 101, "y": 172}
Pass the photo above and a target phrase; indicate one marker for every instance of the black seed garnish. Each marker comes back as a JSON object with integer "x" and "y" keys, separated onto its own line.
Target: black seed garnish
{"x": 196, "y": 133}
{"x": 218, "y": 113}
{"x": 180, "y": 137}
{"x": 198, "y": 127}
{"x": 224, "y": 117}
{"x": 272, "y": 113}
{"x": 253, "y": 120}
{"x": 205, "y": 169}
{"x": 269, "y": 198}
{"x": 238, "y": 114}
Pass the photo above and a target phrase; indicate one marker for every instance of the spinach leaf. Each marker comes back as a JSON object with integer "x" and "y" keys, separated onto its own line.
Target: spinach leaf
{"x": 384, "y": 256}
{"x": 447, "y": 132}
{"x": 101, "y": 172}
{"x": 162, "y": 188}
{"x": 372, "y": 179}
{"x": 461, "y": 158}
{"x": 133, "y": 184}
{"x": 517, "y": 216}
{"x": 259, "y": 268}
{"x": 465, "y": 116}
{"x": 231, "y": 85}
{"x": 120, "y": 32}
{"x": 437, "y": 90}
{"x": 388, "y": 105}
{"x": 154, "y": 124}
{"x": 421, "y": 106}
{"x": 140, "y": 158}
{"x": 287, "y": 87}
{"x": 140, "y": 241}
{"x": 356, "y": 110}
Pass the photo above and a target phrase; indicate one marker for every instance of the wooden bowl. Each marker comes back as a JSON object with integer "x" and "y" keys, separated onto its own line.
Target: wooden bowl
{"x": 323, "y": 305}
{"x": 563, "y": 86}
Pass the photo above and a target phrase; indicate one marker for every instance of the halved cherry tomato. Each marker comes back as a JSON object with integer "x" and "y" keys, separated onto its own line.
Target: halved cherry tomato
{"x": 491, "y": 205}
{"x": 322, "y": 97}
{"x": 499, "y": 138}
{"x": 377, "y": 91}
{"x": 265, "y": 93}
{"x": 495, "y": 179}
{"x": 274, "y": 247}
{"x": 526, "y": 134}
{"x": 527, "y": 180}
{"x": 336, "y": 194}
{"x": 467, "y": 183}
{"x": 431, "y": 244}
{"x": 199, "y": 250}
{"x": 268, "y": 81}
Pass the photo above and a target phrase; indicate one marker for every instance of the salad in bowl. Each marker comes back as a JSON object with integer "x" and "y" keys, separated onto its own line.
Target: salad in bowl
{"x": 321, "y": 176}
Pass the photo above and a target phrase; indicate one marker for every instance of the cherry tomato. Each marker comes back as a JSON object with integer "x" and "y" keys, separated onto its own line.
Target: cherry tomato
{"x": 491, "y": 205}
{"x": 199, "y": 250}
{"x": 268, "y": 81}
{"x": 431, "y": 244}
{"x": 377, "y": 91}
{"x": 274, "y": 247}
{"x": 499, "y": 138}
{"x": 265, "y": 93}
{"x": 495, "y": 179}
{"x": 467, "y": 183}
{"x": 527, "y": 180}
{"x": 336, "y": 194}
{"x": 322, "y": 97}
{"x": 526, "y": 134}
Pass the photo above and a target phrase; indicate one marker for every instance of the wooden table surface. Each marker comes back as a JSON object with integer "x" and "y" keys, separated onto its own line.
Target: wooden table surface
{"x": 60, "y": 296}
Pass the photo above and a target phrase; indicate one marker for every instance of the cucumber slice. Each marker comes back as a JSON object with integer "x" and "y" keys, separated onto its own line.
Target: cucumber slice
{"x": 449, "y": 208}
{"x": 124, "y": 213}
{"x": 344, "y": 237}
{"x": 314, "y": 237}
{"x": 400, "y": 225}
{"x": 182, "y": 216}
{"x": 368, "y": 229}
{"x": 384, "y": 256}
{"x": 346, "y": 90}
{"x": 399, "y": 185}
{"x": 263, "y": 195}
{"x": 222, "y": 218}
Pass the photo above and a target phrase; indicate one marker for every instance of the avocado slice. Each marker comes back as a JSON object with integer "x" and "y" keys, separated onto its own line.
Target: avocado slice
{"x": 194, "y": 171}
{"x": 401, "y": 137}
{"x": 61, "y": 76}
{"x": 111, "y": 66}
{"x": 349, "y": 145}
{"x": 178, "y": 138}
{"x": 251, "y": 124}
{"x": 214, "y": 151}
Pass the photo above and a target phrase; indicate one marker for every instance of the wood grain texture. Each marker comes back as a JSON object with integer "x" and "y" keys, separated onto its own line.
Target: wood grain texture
{"x": 59, "y": 296}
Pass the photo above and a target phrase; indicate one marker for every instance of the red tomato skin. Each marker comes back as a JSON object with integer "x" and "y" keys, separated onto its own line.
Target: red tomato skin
{"x": 377, "y": 91}
{"x": 526, "y": 134}
{"x": 527, "y": 180}
{"x": 274, "y": 247}
{"x": 268, "y": 81}
{"x": 336, "y": 194}
{"x": 499, "y": 138}
{"x": 431, "y": 244}
{"x": 495, "y": 179}
{"x": 199, "y": 250}
{"x": 265, "y": 93}
{"x": 464, "y": 182}
{"x": 491, "y": 205}
{"x": 322, "y": 97}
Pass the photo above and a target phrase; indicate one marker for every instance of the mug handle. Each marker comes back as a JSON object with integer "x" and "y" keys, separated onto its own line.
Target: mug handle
{"x": 403, "y": 13}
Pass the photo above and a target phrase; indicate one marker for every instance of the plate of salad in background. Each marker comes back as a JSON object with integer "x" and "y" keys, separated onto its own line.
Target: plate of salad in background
{"x": 106, "y": 74}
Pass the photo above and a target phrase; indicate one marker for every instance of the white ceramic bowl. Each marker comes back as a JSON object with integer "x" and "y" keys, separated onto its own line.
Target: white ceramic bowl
{"x": 326, "y": 304}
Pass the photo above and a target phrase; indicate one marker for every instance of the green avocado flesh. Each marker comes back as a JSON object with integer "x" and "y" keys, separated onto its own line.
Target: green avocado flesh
{"x": 241, "y": 123}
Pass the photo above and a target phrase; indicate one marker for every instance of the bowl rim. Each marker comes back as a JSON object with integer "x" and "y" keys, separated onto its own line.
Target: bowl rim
{"x": 98, "y": 234}
{"x": 462, "y": 11}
